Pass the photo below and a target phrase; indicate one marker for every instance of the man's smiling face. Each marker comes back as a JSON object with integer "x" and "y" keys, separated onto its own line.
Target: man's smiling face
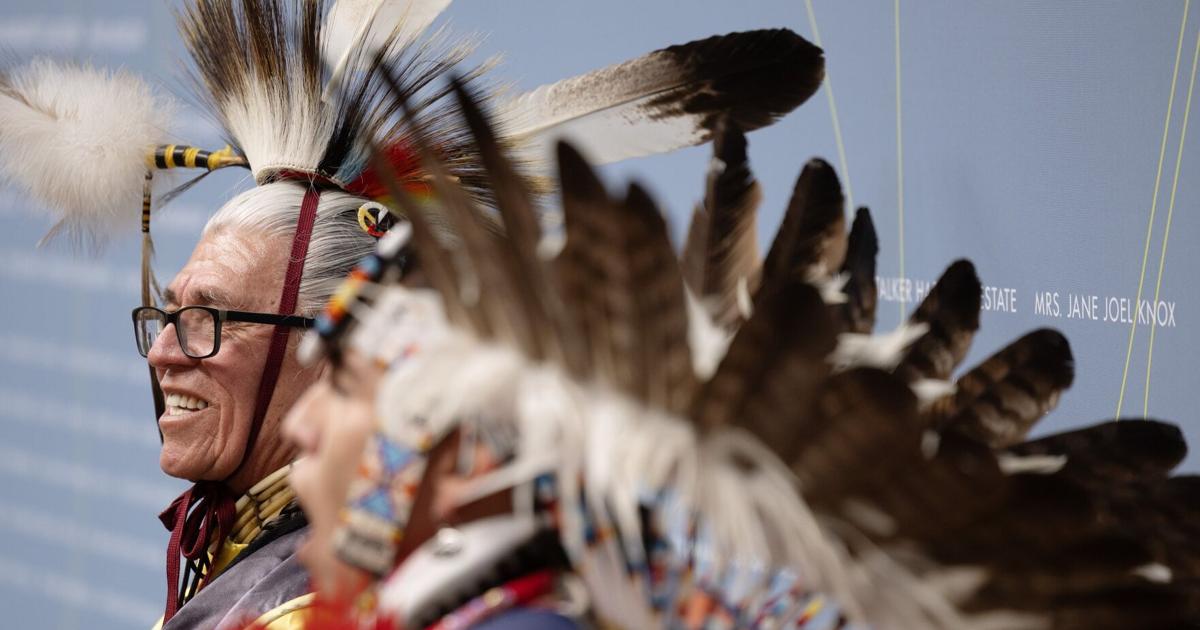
{"x": 210, "y": 402}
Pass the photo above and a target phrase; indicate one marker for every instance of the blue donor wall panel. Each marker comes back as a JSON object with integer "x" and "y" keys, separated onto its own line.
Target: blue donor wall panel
{"x": 1048, "y": 142}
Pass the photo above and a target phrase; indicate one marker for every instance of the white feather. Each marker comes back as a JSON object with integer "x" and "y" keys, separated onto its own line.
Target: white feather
{"x": 882, "y": 351}
{"x": 1154, "y": 572}
{"x": 707, "y": 340}
{"x": 929, "y": 390}
{"x": 607, "y": 114}
{"x": 831, "y": 285}
{"x": 76, "y": 138}
{"x": 360, "y": 27}
{"x": 270, "y": 143}
{"x": 1012, "y": 464}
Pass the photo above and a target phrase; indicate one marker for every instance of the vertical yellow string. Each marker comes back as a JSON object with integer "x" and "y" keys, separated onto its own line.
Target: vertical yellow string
{"x": 833, "y": 112}
{"x": 900, "y": 161}
{"x": 1153, "y": 207}
{"x": 1187, "y": 110}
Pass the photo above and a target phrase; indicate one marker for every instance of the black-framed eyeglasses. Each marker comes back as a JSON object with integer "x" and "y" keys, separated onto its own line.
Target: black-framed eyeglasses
{"x": 198, "y": 328}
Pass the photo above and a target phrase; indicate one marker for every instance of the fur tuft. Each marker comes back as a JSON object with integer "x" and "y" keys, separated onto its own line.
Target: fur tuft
{"x": 75, "y": 138}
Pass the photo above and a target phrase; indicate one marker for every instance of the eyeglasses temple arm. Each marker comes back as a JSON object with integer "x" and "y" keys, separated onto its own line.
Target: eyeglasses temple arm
{"x": 294, "y": 321}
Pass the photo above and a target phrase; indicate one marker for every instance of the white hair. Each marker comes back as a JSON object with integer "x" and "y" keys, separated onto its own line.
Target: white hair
{"x": 337, "y": 243}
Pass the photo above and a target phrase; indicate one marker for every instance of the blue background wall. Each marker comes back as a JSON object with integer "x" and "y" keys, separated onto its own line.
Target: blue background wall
{"x": 1032, "y": 137}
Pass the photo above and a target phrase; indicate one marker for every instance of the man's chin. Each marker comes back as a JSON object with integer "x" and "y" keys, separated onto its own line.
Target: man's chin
{"x": 187, "y": 468}
{"x": 174, "y": 469}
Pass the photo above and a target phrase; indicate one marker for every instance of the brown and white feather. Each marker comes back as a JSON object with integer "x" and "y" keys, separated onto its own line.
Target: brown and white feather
{"x": 775, "y": 364}
{"x": 721, "y": 260}
{"x": 811, "y": 241}
{"x": 667, "y": 99}
{"x": 951, "y": 312}
{"x": 857, "y": 313}
{"x": 998, "y": 401}
{"x": 623, "y": 289}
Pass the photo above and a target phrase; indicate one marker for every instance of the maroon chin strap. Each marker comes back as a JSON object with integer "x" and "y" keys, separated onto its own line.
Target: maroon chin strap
{"x": 213, "y": 501}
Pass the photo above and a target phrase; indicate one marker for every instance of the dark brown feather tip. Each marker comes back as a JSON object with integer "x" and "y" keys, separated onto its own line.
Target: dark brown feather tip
{"x": 858, "y": 312}
{"x": 1125, "y": 449}
{"x": 576, "y": 176}
{"x": 753, "y": 77}
{"x": 952, "y": 312}
{"x": 805, "y": 237}
{"x": 956, "y": 298}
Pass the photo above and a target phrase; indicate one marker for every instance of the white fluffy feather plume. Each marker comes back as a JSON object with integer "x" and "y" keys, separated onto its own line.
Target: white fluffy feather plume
{"x": 75, "y": 138}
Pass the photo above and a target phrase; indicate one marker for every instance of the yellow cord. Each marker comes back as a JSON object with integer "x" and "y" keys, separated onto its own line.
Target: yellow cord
{"x": 1153, "y": 207}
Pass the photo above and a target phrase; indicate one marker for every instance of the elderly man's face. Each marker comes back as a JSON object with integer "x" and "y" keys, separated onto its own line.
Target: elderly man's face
{"x": 210, "y": 402}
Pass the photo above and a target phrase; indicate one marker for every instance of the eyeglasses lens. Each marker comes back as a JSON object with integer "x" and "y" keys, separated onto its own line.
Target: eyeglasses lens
{"x": 149, "y": 323}
{"x": 197, "y": 331}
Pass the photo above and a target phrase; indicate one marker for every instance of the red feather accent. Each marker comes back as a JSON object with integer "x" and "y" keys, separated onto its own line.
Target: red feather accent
{"x": 407, "y": 169}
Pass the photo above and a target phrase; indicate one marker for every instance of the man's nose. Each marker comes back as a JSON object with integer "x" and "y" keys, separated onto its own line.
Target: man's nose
{"x": 166, "y": 351}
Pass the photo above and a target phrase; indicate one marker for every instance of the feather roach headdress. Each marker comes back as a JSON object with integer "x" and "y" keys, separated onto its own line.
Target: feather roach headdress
{"x": 302, "y": 90}
{"x": 271, "y": 90}
{"x": 720, "y": 441}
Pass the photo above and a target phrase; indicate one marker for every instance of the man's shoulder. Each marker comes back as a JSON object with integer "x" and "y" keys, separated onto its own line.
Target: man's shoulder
{"x": 262, "y": 579}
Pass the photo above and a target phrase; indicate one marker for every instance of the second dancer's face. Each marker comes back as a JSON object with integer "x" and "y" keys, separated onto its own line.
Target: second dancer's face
{"x": 330, "y": 425}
